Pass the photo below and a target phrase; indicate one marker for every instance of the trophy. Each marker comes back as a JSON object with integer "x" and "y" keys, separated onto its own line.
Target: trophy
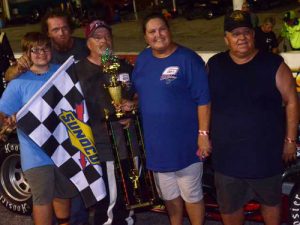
{"x": 137, "y": 182}
{"x": 111, "y": 65}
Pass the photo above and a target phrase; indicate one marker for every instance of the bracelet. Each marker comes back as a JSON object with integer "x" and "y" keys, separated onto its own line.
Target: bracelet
{"x": 203, "y": 132}
{"x": 290, "y": 140}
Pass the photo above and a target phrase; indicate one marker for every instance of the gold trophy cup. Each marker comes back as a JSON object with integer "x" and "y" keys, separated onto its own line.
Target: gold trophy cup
{"x": 111, "y": 67}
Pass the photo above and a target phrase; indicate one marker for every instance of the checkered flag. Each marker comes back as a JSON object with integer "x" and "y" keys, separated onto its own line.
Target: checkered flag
{"x": 56, "y": 119}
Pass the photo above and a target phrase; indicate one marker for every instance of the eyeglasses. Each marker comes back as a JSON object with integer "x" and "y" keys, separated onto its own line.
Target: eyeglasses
{"x": 98, "y": 38}
{"x": 39, "y": 51}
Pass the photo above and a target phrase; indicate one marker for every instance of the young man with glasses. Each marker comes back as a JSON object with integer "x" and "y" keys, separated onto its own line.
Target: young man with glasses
{"x": 51, "y": 190}
{"x": 58, "y": 27}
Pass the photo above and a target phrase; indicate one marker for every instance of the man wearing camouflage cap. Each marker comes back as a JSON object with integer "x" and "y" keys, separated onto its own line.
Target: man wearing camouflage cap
{"x": 112, "y": 209}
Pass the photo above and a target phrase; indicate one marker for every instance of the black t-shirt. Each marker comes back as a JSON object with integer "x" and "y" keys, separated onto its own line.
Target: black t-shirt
{"x": 247, "y": 117}
{"x": 6, "y": 55}
{"x": 79, "y": 50}
{"x": 92, "y": 81}
{"x": 265, "y": 41}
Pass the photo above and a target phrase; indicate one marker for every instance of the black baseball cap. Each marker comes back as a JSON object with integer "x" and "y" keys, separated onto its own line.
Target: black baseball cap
{"x": 236, "y": 19}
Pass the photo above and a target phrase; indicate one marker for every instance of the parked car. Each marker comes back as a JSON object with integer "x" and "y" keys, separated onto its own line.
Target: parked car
{"x": 207, "y": 9}
{"x": 194, "y": 9}
{"x": 264, "y": 4}
{"x": 28, "y": 11}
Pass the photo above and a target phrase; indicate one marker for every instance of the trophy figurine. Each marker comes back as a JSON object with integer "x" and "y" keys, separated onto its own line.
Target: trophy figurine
{"x": 111, "y": 65}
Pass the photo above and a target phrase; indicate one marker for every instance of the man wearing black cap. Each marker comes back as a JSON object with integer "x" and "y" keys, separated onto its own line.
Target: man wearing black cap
{"x": 252, "y": 133}
{"x": 112, "y": 209}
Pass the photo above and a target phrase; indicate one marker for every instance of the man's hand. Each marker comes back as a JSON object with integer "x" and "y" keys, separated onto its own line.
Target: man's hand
{"x": 8, "y": 125}
{"x": 125, "y": 123}
{"x": 289, "y": 152}
{"x": 11, "y": 122}
{"x": 24, "y": 63}
{"x": 127, "y": 106}
{"x": 21, "y": 65}
{"x": 204, "y": 147}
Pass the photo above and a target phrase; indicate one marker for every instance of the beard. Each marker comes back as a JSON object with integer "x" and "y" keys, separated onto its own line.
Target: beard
{"x": 63, "y": 45}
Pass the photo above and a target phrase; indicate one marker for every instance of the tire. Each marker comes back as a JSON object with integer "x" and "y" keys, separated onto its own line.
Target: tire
{"x": 294, "y": 205}
{"x": 15, "y": 192}
{"x": 35, "y": 16}
{"x": 209, "y": 14}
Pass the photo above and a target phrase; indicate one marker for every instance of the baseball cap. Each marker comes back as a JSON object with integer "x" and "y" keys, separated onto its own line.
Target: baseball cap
{"x": 236, "y": 19}
{"x": 290, "y": 15}
{"x": 90, "y": 29}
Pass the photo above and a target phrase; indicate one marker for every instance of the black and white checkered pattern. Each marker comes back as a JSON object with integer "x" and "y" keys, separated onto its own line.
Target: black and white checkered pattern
{"x": 39, "y": 119}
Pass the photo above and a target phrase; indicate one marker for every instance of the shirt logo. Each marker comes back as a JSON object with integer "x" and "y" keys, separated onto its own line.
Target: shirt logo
{"x": 169, "y": 74}
{"x": 81, "y": 137}
{"x": 125, "y": 79}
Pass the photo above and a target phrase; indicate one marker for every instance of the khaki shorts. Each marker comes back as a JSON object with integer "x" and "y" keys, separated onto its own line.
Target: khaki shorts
{"x": 233, "y": 193}
{"x": 185, "y": 183}
{"x": 47, "y": 183}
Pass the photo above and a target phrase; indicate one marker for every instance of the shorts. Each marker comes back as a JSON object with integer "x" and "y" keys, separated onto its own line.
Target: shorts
{"x": 233, "y": 193}
{"x": 47, "y": 183}
{"x": 185, "y": 183}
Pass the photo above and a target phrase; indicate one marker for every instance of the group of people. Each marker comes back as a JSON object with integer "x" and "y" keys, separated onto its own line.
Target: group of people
{"x": 241, "y": 108}
{"x": 265, "y": 38}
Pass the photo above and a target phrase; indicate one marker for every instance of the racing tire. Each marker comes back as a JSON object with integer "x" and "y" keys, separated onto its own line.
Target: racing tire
{"x": 15, "y": 194}
{"x": 294, "y": 205}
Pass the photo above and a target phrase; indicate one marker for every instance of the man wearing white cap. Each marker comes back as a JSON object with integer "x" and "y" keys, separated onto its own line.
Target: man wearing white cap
{"x": 112, "y": 209}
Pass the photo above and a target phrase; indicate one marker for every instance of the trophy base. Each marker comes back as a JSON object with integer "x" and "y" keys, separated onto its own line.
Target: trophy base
{"x": 140, "y": 205}
{"x": 119, "y": 114}
{"x": 116, "y": 116}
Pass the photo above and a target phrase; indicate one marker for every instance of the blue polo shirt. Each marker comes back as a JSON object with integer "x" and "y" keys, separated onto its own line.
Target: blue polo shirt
{"x": 18, "y": 92}
{"x": 170, "y": 90}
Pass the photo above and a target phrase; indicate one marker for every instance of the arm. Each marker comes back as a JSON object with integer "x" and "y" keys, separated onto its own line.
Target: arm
{"x": 7, "y": 48}
{"x": 274, "y": 44}
{"x": 204, "y": 147}
{"x": 286, "y": 86}
{"x": 7, "y": 124}
{"x": 2, "y": 118}
{"x": 20, "y": 66}
{"x": 275, "y": 50}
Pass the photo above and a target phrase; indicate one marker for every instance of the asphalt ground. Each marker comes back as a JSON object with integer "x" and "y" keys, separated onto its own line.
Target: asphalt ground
{"x": 143, "y": 218}
{"x": 199, "y": 35}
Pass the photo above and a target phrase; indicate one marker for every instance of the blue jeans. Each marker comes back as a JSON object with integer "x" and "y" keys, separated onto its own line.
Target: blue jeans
{"x": 79, "y": 214}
